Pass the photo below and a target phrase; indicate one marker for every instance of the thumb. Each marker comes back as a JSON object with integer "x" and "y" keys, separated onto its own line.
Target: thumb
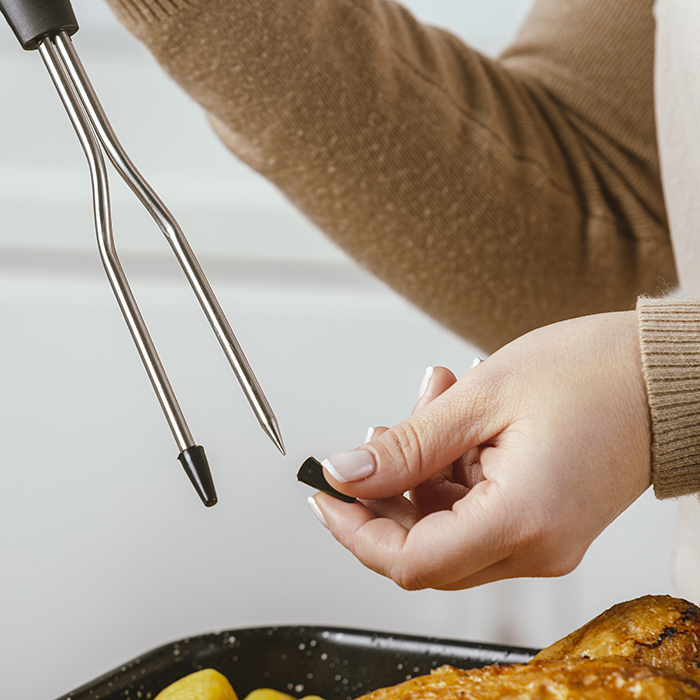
{"x": 461, "y": 418}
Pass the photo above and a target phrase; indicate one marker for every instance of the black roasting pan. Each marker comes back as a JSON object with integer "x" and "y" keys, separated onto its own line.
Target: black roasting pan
{"x": 335, "y": 663}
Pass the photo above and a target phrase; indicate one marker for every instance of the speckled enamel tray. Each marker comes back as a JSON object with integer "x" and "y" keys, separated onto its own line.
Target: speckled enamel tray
{"x": 337, "y": 664}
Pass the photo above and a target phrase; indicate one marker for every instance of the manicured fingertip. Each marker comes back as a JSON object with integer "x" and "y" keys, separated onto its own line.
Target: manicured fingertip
{"x": 316, "y": 510}
{"x": 427, "y": 376}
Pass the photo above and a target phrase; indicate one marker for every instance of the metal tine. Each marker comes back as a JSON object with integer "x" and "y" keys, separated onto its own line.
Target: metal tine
{"x": 108, "y": 253}
{"x": 191, "y": 456}
{"x": 175, "y": 237}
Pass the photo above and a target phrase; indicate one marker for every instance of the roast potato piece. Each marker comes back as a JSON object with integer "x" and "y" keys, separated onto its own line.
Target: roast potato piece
{"x": 269, "y": 694}
{"x": 207, "y": 684}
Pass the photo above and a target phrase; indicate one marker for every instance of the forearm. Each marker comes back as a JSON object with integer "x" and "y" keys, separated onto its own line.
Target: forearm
{"x": 483, "y": 191}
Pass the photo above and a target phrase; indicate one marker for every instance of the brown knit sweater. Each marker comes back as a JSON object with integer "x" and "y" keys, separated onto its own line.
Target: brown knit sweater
{"x": 497, "y": 195}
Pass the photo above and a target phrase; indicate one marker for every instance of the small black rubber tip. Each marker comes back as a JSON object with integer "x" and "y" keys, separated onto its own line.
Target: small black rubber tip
{"x": 311, "y": 474}
{"x": 196, "y": 466}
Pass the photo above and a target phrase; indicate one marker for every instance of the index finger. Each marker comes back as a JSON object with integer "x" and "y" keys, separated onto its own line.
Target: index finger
{"x": 443, "y": 550}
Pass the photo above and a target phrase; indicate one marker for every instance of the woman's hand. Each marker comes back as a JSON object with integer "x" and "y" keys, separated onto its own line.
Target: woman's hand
{"x": 513, "y": 470}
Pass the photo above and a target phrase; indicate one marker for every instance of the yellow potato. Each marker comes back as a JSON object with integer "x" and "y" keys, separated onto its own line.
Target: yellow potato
{"x": 202, "y": 685}
{"x": 268, "y": 694}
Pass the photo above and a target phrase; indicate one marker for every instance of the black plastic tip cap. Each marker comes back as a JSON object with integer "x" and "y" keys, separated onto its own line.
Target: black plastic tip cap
{"x": 311, "y": 474}
{"x": 196, "y": 466}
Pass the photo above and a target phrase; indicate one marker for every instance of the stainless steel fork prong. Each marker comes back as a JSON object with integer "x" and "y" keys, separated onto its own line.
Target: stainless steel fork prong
{"x": 93, "y": 128}
{"x": 110, "y": 260}
{"x": 171, "y": 230}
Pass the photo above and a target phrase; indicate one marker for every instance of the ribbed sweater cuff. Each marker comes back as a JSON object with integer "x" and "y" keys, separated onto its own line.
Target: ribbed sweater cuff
{"x": 669, "y": 331}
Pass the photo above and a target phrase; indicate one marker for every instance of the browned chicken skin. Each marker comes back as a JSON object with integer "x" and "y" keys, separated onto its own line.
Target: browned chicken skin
{"x": 601, "y": 679}
{"x": 646, "y": 649}
{"x": 658, "y": 631}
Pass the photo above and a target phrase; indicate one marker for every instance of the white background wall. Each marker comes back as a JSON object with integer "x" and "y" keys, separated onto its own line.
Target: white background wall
{"x": 105, "y": 550}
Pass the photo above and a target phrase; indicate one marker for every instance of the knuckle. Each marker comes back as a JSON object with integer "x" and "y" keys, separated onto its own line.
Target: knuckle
{"x": 547, "y": 546}
{"x": 557, "y": 563}
{"x": 405, "y": 575}
{"x": 562, "y": 566}
{"x": 405, "y": 450}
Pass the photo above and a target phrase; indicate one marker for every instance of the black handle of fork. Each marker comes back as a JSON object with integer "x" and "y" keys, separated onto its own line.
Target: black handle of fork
{"x": 34, "y": 20}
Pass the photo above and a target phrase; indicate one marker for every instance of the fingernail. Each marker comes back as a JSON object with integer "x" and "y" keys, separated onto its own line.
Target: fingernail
{"x": 370, "y": 435}
{"x": 317, "y": 511}
{"x": 425, "y": 381}
{"x": 350, "y": 466}
{"x": 477, "y": 361}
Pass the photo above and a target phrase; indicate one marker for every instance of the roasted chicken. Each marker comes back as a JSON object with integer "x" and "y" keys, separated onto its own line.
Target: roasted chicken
{"x": 647, "y": 648}
{"x": 657, "y": 631}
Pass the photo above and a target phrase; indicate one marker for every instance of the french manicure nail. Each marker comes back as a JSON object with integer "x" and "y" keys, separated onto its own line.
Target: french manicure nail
{"x": 477, "y": 361}
{"x": 425, "y": 381}
{"x": 350, "y": 466}
{"x": 370, "y": 435}
{"x": 317, "y": 511}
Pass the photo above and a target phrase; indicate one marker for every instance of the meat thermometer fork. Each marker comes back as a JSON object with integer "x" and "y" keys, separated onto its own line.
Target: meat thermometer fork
{"x": 47, "y": 25}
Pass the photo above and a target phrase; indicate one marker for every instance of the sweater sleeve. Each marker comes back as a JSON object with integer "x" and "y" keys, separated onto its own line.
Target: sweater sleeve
{"x": 669, "y": 330}
{"x": 496, "y": 195}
